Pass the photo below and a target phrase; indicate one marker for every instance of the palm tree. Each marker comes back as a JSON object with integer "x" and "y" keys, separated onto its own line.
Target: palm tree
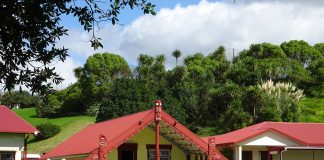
{"x": 78, "y": 72}
{"x": 176, "y": 53}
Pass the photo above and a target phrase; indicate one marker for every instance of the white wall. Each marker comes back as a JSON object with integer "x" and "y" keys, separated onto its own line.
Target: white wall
{"x": 12, "y": 142}
{"x": 269, "y": 139}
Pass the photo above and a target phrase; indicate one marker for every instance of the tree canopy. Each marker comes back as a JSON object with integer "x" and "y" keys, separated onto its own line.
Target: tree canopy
{"x": 30, "y": 29}
{"x": 207, "y": 91}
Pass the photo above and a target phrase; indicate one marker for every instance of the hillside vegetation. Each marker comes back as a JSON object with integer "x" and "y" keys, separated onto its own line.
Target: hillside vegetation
{"x": 206, "y": 92}
{"x": 69, "y": 126}
{"x": 312, "y": 110}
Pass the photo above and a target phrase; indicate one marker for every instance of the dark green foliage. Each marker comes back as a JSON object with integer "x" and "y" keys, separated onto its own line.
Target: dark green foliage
{"x": 66, "y": 102}
{"x": 300, "y": 51}
{"x": 126, "y": 96}
{"x": 262, "y": 51}
{"x": 233, "y": 118}
{"x": 320, "y": 48}
{"x": 316, "y": 87}
{"x": 99, "y": 71}
{"x": 22, "y": 98}
{"x": 29, "y": 31}
{"x": 47, "y": 130}
{"x": 49, "y": 107}
{"x": 206, "y": 91}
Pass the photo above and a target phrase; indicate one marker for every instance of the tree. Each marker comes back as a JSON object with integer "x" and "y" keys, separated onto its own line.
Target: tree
{"x": 219, "y": 54}
{"x": 279, "y": 102}
{"x": 126, "y": 96}
{"x": 49, "y": 106}
{"x": 150, "y": 69}
{"x": 29, "y": 30}
{"x": 262, "y": 51}
{"x": 22, "y": 98}
{"x": 316, "y": 87}
{"x": 300, "y": 51}
{"x": 98, "y": 73}
{"x": 320, "y": 48}
{"x": 65, "y": 102}
{"x": 176, "y": 54}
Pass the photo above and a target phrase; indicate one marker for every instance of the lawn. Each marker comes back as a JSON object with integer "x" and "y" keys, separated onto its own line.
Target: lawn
{"x": 69, "y": 126}
{"x": 312, "y": 110}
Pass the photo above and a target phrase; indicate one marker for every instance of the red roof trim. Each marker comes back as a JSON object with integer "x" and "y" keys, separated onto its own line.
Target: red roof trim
{"x": 130, "y": 132}
{"x": 139, "y": 126}
{"x": 186, "y": 132}
{"x": 306, "y": 134}
{"x": 273, "y": 130}
{"x": 124, "y": 136}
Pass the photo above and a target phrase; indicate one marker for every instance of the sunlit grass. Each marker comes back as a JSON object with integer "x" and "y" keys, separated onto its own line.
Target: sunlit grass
{"x": 69, "y": 126}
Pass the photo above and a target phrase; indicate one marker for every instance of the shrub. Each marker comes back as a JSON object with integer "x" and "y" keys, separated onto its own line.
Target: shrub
{"x": 47, "y": 130}
{"x": 49, "y": 106}
{"x": 280, "y": 102}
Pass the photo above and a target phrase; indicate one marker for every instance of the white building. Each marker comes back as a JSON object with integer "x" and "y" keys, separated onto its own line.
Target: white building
{"x": 14, "y": 132}
{"x": 275, "y": 141}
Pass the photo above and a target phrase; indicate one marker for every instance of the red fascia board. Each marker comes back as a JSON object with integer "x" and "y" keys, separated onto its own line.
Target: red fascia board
{"x": 136, "y": 128}
{"x": 169, "y": 120}
{"x": 290, "y": 137}
{"x": 273, "y": 130}
{"x": 114, "y": 143}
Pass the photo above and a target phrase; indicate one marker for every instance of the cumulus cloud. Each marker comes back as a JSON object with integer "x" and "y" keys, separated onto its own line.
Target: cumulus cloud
{"x": 205, "y": 26}
{"x": 65, "y": 70}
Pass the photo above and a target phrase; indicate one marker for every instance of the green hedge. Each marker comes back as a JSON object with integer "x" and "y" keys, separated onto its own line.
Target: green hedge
{"x": 47, "y": 130}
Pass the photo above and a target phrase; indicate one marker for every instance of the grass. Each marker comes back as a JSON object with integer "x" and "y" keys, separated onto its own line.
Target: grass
{"x": 69, "y": 126}
{"x": 312, "y": 110}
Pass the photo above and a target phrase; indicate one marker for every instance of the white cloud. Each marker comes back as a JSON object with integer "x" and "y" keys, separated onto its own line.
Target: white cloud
{"x": 203, "y": 27}
{"x": 65, "y": 70}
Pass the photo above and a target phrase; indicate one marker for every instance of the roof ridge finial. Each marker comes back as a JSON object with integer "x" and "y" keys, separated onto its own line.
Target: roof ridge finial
{"x": 157, "y": 110}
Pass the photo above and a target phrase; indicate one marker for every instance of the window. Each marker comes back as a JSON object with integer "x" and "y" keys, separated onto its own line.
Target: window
{"x": 246, "y": 155}
{"x": 7, "y": 156}
{"x": 165, "y": 152}
{"x": 263, "y": 155}
{"x": 127, "y": 151}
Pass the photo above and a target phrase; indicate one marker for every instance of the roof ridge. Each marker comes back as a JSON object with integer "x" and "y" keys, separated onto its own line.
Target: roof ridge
{"x": 259, "y": 126}
{"x": 295, "y": 122}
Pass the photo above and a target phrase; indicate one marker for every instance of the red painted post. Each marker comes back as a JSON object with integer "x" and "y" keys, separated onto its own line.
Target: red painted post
{"x": 211, "y": 148}
{"x": 102, "y": 146}
{"x": 157, "y": 141}
{"x": 157, "y": 118}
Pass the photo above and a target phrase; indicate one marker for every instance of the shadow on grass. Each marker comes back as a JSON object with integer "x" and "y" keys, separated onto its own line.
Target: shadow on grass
{"x": 34, "y": 140}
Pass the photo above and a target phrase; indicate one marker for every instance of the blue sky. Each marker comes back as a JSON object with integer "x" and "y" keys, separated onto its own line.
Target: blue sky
{"x": 195, "y": 26}
{"x": 128, "y": 15}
